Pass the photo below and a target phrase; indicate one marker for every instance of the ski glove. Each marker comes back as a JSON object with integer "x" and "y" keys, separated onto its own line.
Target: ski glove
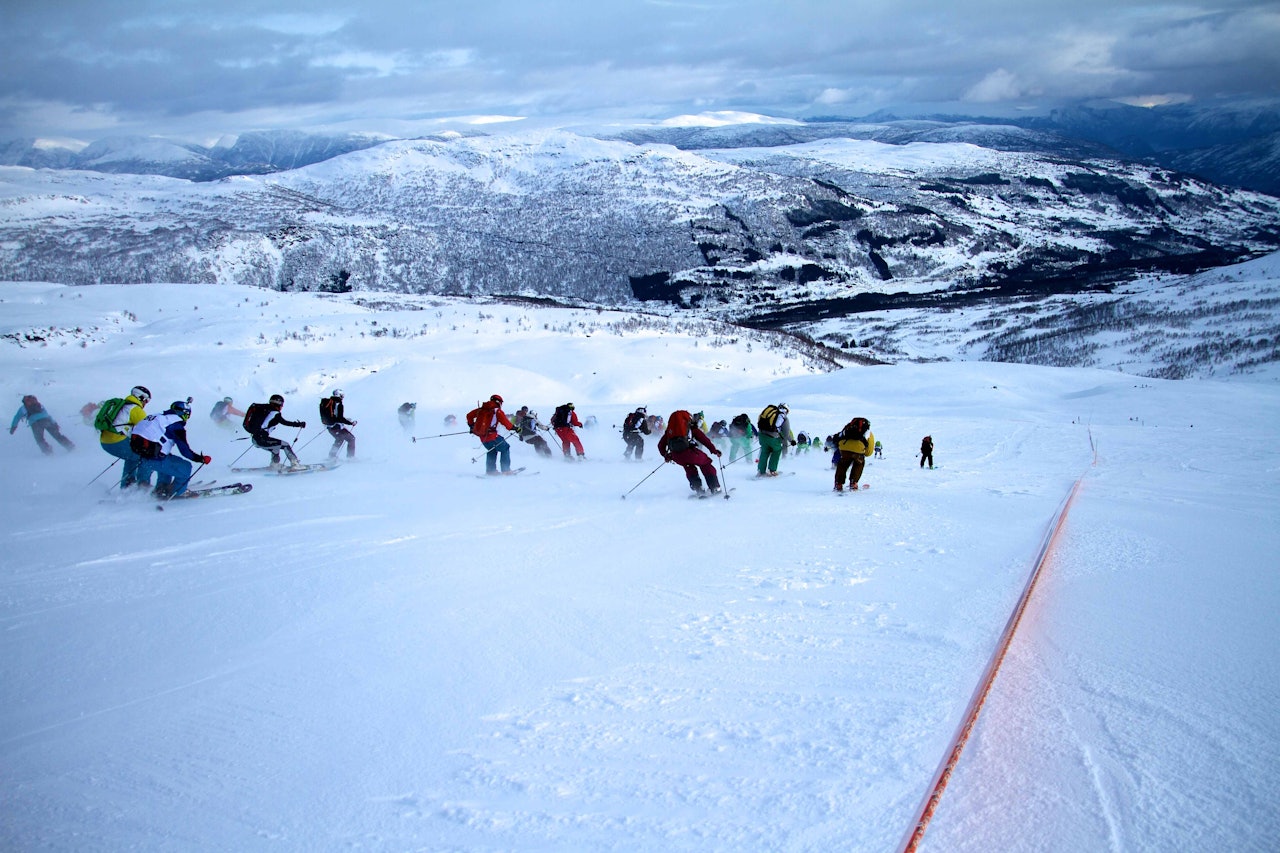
{"x": 206, "y": 459}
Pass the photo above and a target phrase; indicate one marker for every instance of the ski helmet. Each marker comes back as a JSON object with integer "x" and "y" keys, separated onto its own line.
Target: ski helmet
{"x": 277, "y": 400}
{"x": 141, "y": 393}
{"x": 181, "y": 407}
{"x": 641, "y": 410}
{"x": 227, "y": 400}
{"x": 496, "y": 398}
{"x": 337, "y": 392}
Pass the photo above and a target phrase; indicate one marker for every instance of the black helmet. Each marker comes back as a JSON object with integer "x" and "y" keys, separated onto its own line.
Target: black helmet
{"x": 277, "y": 400}
{"x": 181, "y": 407}
{"x": 641, "y": 410}
{"x": 337, "y": 392}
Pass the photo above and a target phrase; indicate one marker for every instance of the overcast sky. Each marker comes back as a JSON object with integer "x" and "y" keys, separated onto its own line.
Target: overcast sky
{"x": 200, "y": 70}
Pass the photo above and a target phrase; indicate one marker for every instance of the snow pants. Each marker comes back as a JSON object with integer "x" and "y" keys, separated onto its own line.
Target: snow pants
{"x": 173, "y": 474}
{"x": 122, "y": 451}
{"x": 341, "y": 435}
{"x": 770, "y": 453}
{"x": 852, "y": 464}
{"x": 539, "y": 444}
{"x": 926, "y": 455}
{"x": 635, "y": 445}
{"x": 268, "y": 442}
{"x": 694, "y": 460}
{"x": 569, "y": 438}
{"x": 50, "y": 426}
{"x": 498, "y": 450}
{"x": 739, "y": 447}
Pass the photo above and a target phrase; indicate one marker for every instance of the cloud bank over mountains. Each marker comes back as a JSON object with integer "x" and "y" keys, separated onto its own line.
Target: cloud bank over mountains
{"x": 196, "y": 71}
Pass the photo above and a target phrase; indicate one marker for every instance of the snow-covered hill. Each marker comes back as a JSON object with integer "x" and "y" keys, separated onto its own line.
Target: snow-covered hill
{"x": 401, "y": 654}
{"x": 778, "y": 236}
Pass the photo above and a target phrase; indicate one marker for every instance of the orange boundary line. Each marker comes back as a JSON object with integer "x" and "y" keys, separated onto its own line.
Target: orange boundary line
{"x": 943, "y": 774}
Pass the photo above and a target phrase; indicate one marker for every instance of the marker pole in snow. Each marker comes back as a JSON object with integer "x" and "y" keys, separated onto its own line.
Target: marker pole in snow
{"x": 646, "y": 476}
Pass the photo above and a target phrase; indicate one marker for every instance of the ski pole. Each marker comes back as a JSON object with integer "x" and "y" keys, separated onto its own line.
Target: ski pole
{"x": 309, "y": 440}
{"x": 488, "y": 450}
{"x": 186, "y": 482}
{"x": 100, "y": 473}
{"x": 241, "y": 456}
{"x": 418, "y": 438}
{"x": 646, "y": 476}
{"x": 724, "y": 486}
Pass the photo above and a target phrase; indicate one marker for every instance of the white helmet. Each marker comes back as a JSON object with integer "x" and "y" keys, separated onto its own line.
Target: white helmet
{"x": 140, "y": 393}
{"x": 337, "y": 392}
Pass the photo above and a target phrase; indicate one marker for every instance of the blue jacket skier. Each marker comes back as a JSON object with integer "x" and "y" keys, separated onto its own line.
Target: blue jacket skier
{"x": 40, "y": 422}
{"x": 155, "y": 438}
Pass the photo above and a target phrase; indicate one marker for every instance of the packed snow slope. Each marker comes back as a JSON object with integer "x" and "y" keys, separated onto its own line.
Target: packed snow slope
{"x": 401, "y": 654}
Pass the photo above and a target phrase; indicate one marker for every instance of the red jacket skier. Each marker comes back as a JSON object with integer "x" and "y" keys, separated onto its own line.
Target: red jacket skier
{"x": 679, "y": 444}
{"x": 563, "y": 422}
{"x": 483, "y": 422}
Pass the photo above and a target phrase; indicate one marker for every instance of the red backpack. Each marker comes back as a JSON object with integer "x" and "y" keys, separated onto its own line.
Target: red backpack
{"x": 480, "y": 420}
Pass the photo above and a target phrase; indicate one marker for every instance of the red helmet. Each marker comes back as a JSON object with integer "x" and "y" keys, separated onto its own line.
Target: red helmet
{"x": 496, "y": 398}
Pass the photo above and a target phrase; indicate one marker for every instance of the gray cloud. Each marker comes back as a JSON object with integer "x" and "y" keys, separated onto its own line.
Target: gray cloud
{"x": 177, "y": 67}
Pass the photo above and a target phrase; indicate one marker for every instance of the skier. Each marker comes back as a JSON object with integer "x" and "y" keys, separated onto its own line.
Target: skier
{"x": 260, "y": 419}
{"x": 87, "y": 413}
{"x": 406, "y": 414}
{"x": 527, "y": 427}
{"x": 41, "y": 422}
{"x": 741, "y": 436}
{"x": 926, "y": 451}
{"x": 116, "y": 418}
{"x": 634, "y": 429}
{"x": 154, "y": 438}
{"x": 223, "y": 411}
{"x": 335, "y": 420}
{"x": 679, "y": 444}
{"x": 772, "y": 426}
{"x": 483, "y": 422}
{"x": 563, "y": 422}
{"x": 879, "y": 450}
{"x": 855, "y": 443}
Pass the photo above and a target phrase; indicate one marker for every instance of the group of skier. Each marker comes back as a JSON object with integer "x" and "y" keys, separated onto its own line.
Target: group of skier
{"x": 158, "y": 446}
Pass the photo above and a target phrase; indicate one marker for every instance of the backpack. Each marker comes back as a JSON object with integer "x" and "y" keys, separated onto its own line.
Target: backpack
{"x": 855, "y": 430}
{"x": 740, "y": 425}
{"x": 255, "y": 416}
{"x": 634, "y": 422}
{"x": 327, "y": 415}
{"x": 105, "y": 420}
{"x": 561, "y": 418}
{"x": 769, "y": 419}
{"x": 480, "y": 420}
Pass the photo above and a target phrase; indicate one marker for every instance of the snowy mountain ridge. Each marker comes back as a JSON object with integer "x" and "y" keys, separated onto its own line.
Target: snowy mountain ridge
{"x": 745, "y": 234}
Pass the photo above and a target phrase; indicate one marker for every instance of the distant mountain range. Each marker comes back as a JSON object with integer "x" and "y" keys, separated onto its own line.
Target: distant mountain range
{"x": 1236, "y": 143}
{"x": 767, "y": 235}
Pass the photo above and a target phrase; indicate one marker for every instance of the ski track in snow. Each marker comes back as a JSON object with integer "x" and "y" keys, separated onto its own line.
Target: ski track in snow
{"x": 398, "y": 655}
